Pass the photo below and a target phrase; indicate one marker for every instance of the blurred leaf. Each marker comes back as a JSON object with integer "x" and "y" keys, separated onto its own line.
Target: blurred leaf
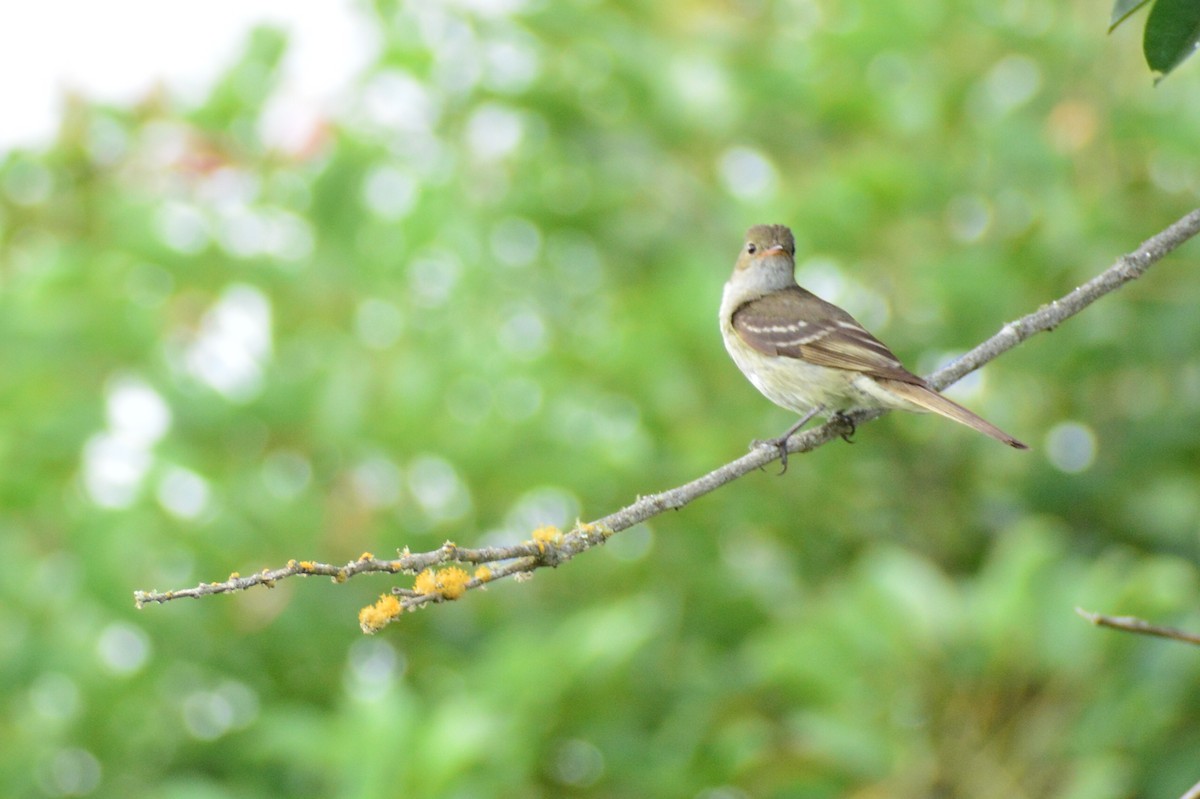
{"x": 1122, "y": 9}
{"x": 1172, "y": 34}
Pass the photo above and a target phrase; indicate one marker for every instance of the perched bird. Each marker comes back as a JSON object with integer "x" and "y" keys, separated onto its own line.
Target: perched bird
{"x": 810, "y": 356}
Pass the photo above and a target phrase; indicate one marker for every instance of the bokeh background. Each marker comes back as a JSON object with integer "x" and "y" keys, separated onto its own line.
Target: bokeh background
{"x": 473, "y": 290}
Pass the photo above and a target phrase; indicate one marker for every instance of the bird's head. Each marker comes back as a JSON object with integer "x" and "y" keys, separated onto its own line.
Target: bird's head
{"x": 767, "y": 245}
{"x": 767, "y": 260}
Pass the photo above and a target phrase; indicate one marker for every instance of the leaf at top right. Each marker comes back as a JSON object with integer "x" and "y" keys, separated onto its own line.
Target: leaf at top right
{"x": 1172, "y": 34}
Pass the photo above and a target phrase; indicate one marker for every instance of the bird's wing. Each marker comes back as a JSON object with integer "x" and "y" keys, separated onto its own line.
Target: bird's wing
{"x": 795, "y": 323}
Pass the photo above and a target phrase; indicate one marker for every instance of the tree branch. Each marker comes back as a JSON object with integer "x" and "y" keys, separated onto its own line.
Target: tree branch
{"x": 1132, "y": 624}
{"x": 551, "y": 547}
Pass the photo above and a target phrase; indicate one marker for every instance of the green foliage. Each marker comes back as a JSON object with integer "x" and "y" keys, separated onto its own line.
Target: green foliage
{"x": 1172, "y": 31}
{"x": 483, "y": 298}
{"x": 1172, "y": 34}
{"x": 1122, "y": 10}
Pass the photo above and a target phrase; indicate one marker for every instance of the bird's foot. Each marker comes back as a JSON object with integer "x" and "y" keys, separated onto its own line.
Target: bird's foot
{"x": 779, "y": 444}
{"x": 846, "y": 420}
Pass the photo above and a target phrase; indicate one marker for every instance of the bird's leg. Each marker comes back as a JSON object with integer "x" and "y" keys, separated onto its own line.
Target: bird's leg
{"x": 781, "y": 442}
{"x": 848, "y": 420}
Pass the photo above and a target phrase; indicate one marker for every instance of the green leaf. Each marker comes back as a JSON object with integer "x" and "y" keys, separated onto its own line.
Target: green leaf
{"x": 1122, "y": 10}
{"x": 1172, "y": 34}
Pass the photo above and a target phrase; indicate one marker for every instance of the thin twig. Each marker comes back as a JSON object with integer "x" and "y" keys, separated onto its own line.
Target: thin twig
{"x": 557, "y": 548}
{"x": 1132, "y": 624}
{"x": 1128, "y": 267}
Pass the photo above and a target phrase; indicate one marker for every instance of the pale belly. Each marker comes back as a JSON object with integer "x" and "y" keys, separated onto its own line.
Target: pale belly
{"x": 800, "y": 386}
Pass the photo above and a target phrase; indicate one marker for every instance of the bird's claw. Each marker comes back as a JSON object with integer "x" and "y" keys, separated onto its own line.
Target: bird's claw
{"x": 775, "y": 443}
{"x": 848, "y": 421}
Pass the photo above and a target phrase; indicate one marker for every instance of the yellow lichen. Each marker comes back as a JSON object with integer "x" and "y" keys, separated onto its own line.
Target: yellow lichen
{"x": 450, "y": 583}
{"x": 453, "y": 582}
{"x": 426, "y": 582}
{"x": 591, "y": 528}
{"x": 366, "y": 556}
{"x": 374, "y": 618}
{"x": 483, "y": 574}
{"x": 234, "y": 575}
{"x": 548, "y": 534}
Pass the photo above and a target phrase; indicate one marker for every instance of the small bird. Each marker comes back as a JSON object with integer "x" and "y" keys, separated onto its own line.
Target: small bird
{"x": 810, "y": 356}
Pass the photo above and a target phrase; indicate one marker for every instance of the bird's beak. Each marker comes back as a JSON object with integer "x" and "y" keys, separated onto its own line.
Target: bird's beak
{"x": 776, "y": 250}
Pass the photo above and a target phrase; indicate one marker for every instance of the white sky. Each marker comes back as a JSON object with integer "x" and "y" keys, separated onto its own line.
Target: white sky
{"x": 116, "y": 50}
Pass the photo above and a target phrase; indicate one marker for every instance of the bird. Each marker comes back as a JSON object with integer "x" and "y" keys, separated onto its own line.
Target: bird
{"x": 810, "y": 356}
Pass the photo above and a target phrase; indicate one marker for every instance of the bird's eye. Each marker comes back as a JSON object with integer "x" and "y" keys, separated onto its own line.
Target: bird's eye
{"x": 750, "y": 248}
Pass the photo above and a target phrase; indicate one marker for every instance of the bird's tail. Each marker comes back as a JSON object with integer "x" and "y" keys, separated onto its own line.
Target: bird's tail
{"x": 930, "y": 400}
